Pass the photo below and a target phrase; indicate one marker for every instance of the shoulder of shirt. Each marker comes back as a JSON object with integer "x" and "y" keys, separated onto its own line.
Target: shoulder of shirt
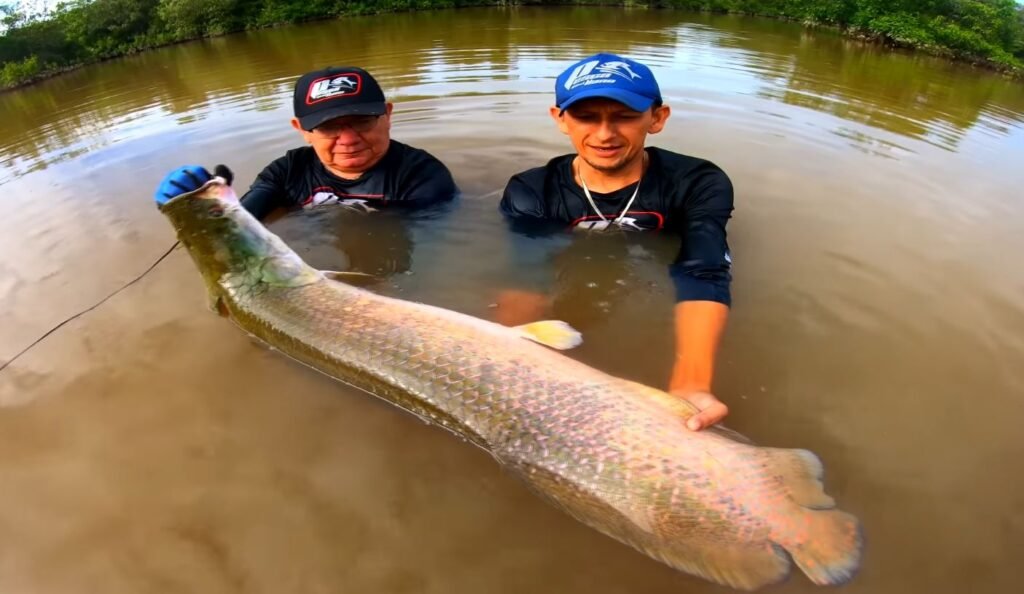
{"x": 294, "y": 160}
{"x": 299, "y": 154}
{"x": 678, "y": 165}
{"x": 399, "y": 152}
{"x": 525, "y": 194}
{"x": 535, "y": 178}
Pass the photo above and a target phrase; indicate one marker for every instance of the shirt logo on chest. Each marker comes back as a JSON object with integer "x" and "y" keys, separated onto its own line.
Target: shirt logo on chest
{"x": 629, "y": 221}
{"x": 328, "y": 197}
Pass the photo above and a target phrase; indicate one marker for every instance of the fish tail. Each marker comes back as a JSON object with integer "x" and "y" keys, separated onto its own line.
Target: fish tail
{"x": 829, "y": 553}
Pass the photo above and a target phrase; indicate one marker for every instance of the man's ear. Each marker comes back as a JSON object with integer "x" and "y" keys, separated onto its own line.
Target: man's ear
{"x": 559, "y": 117}
{"x": 305, "y": 135}
{"x": 388, "y": 108}
{"x": 661, "y": 114}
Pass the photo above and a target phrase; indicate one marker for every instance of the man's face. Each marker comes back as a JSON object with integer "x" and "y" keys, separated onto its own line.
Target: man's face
{"x": 350, "y": 145}
{"x": 606, "y": 134}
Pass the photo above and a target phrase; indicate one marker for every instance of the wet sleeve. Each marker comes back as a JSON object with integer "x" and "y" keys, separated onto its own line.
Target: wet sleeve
{"x": 521, "y": 201}
{"x": 269, "y": 191}
{"x": 533, "y": 237}
{"x": 703, "y": 269}
{"x": 427, "y": 182}
{"x": 523, "y": 206}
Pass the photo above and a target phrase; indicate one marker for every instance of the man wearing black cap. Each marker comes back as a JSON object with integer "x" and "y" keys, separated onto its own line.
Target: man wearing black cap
{"x": 607, "y": 105}
{"x": 351, "y": 160}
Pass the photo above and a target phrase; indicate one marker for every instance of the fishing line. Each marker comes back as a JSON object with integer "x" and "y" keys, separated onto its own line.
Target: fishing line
{"x": 87, "y": 310}
{"x": 110, "y": 296}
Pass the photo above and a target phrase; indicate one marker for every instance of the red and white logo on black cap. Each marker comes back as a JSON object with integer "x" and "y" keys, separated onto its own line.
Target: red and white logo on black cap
{"x": 345, "y": 84}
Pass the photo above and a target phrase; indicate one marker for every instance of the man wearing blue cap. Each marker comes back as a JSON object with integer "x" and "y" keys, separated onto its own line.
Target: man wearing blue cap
{"x": 607, "y": 105}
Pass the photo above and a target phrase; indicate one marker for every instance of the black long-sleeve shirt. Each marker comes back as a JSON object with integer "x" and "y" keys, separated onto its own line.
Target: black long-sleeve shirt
{"x": 680, "y": 194}
{"x": 405, "y": 176}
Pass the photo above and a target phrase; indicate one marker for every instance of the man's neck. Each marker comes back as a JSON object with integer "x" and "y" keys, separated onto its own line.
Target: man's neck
{"x": 349, "y": 175}
{"x": 603, "y": 181}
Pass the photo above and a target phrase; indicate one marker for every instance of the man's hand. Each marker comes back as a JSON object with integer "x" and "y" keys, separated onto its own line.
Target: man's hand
{"x": 521, "y": 307}
{"x": 181, "y": 181}
{"x": 712, "y": 410}
{"x": 187, "y": 179}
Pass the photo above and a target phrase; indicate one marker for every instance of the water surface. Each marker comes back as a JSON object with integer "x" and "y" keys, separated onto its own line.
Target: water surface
{"x": 878, "y": 312}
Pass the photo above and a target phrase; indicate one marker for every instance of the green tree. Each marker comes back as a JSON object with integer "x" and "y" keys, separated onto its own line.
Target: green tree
{"x": 186, "y": 19}
{"x": 107, "y": 27}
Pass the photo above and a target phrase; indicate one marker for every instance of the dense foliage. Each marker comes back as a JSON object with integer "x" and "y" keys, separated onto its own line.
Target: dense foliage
{"x": 80, "y": 31}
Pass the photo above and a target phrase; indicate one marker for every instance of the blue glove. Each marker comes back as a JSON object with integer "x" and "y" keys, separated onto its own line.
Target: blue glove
{"x": 181, "y": 181}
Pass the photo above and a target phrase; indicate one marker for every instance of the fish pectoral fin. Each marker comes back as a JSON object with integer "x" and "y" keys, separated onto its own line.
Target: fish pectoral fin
{"x": 800, "y": 472}
{"x": 287, "y": 271}
{"x": 356, "y": 279}
{"x": 219, "y": 307}
{"x": 551, "y": 333}
{"x": 215, "y": 302}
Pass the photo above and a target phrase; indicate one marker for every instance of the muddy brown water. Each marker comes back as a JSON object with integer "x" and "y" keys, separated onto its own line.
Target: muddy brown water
{"x": 878, "y": 319}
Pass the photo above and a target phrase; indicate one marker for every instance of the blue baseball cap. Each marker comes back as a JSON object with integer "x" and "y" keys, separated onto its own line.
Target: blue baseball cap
{"x": 609, "y": 76}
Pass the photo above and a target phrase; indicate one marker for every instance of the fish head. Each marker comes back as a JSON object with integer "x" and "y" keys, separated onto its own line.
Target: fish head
{"x": 234, "y": 252}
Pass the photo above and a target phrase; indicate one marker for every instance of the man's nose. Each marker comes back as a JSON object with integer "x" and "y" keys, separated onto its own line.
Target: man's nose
{"x": 347, "y": 136}
{"x": 605, "y": 130}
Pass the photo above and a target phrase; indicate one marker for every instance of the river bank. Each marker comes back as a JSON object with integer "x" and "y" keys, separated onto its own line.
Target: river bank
{"x": 985, "y": 33}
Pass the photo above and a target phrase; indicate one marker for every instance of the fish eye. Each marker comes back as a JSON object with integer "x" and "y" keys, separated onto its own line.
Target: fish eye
{"x": 216, "y": 211}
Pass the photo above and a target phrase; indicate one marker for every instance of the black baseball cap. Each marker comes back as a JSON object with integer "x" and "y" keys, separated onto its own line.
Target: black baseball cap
{"x": 334, "y": 92}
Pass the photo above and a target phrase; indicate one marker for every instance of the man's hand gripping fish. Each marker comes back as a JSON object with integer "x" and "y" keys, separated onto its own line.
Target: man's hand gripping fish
{"x": 614, "y": 454}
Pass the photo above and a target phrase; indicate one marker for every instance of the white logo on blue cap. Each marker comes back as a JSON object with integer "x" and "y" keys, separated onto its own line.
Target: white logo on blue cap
{"x": 617, "y": 68}
{"x": 585, "y": 74}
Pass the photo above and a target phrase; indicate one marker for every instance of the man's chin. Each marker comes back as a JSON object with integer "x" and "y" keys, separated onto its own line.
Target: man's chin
{"x": 351, "y": 165}
{"x": 611, "y": 165}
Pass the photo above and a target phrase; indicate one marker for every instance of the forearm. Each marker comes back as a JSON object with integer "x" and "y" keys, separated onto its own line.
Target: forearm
{"x": 698, "y": 328}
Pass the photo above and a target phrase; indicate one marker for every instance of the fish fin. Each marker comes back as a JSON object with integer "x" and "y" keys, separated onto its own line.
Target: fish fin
{"x": 584, "y": 505}
{"x": 287, "y": 271}
{"x": 831, "y": 552}
{"x": 220, "y": 308}
{"x": 552, "y": 333}
{"x": 684, "y": 410}
{"x": 746, "y": 566}
{"x": 800, "y": 472}
{"x": 356, "y": 279}
{"x": 727, "y": 433}
{"x": 673, "y": 404}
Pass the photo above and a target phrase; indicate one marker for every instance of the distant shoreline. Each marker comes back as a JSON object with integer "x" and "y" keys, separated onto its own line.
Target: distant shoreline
{"x": 28, "y": 71}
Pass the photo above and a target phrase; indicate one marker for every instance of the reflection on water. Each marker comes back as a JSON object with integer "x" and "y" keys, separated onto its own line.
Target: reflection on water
{"x": 878, "y": 314}
{"x": 907, "y": 94}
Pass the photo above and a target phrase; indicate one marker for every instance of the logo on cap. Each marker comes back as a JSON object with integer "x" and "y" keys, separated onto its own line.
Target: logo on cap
{"x": 598, "y": 72}
{"x": 337, "y": 85}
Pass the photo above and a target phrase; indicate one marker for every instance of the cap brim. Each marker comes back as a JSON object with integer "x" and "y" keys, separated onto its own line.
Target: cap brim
{"x": 634, "y": 101}
{"x": 315, "y": 119}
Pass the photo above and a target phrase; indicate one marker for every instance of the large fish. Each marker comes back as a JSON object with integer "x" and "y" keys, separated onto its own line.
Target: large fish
{"x": 612, "y": 453}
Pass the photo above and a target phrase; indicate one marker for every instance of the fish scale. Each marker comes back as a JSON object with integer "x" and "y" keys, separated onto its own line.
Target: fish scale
{"x": 614, "y": 454}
